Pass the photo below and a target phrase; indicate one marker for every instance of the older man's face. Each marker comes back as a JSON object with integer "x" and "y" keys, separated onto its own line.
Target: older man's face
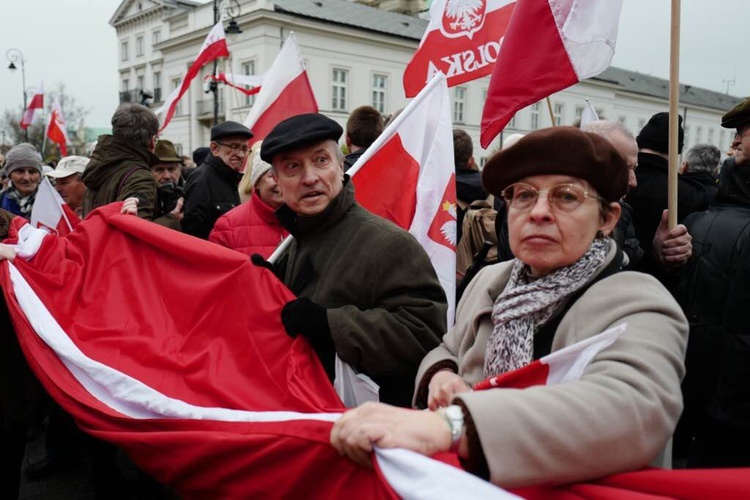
{"x": 166, "y": 172}
{"x": 309, "y": 178}
{"x": 25, "y": 179}
{"x": 71, "y": 190}
{"x": 231, "y": 150}
{"x": 742, "y": 150}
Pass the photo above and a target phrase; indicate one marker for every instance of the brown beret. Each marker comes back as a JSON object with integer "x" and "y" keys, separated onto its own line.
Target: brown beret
{"x": 560, "y": 151}
{"x": 738, "y": 115}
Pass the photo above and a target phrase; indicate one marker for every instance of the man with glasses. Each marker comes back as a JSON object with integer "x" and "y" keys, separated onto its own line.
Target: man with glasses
{"x": 211, "y": 190}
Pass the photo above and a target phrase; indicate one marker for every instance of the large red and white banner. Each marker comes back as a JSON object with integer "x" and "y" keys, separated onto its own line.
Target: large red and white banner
{"x": 55, "y": 130}
{"x": 549, "y": 45}
{"x": 286, "y": 92}
{"x": 37, "y": 102}
{"x": 214, "y": 46}
{"x": 462, "y": 41}
{"x": 210, "y": 396}
{"x": 50, "y": 212}
{"x": 407, "y": 176}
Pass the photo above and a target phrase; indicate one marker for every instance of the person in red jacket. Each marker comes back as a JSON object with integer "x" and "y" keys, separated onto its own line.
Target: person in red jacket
{"x": 252, "y": 227}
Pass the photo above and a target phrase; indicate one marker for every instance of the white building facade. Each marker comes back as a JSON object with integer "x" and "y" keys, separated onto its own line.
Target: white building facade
{"x": 355, "y": 55}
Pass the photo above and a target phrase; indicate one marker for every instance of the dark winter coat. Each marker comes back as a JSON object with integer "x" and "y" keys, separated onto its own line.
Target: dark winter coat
{"x": 210, "y": 192}
{"x": 386, "y": 308}
{"x": 468, "y": 189}
{"x": 119, "y": 170}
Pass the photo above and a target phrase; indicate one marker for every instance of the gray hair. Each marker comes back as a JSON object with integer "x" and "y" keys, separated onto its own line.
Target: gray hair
{"x": 606, "y": 129}
{"x": 135, "y": 124}
{"x": 703, "y": 158}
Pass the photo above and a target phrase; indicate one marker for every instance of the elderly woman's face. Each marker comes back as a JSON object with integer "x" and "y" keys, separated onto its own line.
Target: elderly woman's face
{"x": 549, "y": 236}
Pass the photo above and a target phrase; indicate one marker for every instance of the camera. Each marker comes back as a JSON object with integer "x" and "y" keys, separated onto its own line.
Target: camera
{"x": 168, "y": 194}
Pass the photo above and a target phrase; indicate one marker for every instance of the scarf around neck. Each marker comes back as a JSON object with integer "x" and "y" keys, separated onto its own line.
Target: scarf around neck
{"x": 24, "y": 202}
{"x": 526, "y": 304}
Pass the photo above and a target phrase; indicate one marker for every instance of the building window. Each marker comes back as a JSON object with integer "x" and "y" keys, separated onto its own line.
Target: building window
{"x": 124, "y": 51}
{"x": 459, "y": 101}
{"x": 600, "y": 113}
{"x": 157, "y": 86}
{"x": 340, "y": 78}
{"x": 178, "y": 148}
{"x": 379, "y": 84}
{"x": 248, "y": 69}
{"x": 139, "y": 45}
{"x": 579, "y": 114}
{"x": 641, "y": 124}
{"x": 484, "y": 95}
{"x": 687, "y": 137}
{"x": 722, "y": 138}
{"x": 141, "y": 82}
{"x": 176, "y": 85}
{"x": 559, "y": 110}
{"x": 710, "y": 136}
{"x": 535, "y": 116}
{"x": 512, "y": 122}
{"x": 156, "y": 37}
{"x": 698, "y": 135}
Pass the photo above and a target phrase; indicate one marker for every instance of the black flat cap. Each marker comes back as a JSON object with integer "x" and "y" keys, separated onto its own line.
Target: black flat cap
{"x": 559, "y": 151}
{"x": 297, "y": 132}
{"x": 230, "y": 129}
{"x": 737, "y": 116}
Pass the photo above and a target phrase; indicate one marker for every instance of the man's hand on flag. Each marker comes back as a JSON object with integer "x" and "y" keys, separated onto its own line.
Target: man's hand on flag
{"x": 443, "y": 386}
{"x": 7, "y": 252}
{"x": 376, "y": 424}
{"x": 177, "y": 212}
{"x": 130, "y": 206}
{"x": 304, "y": 317}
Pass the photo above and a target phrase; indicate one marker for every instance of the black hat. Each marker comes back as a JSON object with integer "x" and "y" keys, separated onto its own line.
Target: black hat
{"x": 297, "y": 132}
{"x": 560, "y": 151}
{"x": 737, "y": 116}
{"x": 655, "y": 134}
{"x": 230, "y": 129}
{"x": 200, "y": 154}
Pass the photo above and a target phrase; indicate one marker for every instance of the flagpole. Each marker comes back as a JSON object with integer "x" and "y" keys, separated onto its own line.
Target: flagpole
{"x": 674, "y": 102}
{"x": 551, "y": 114}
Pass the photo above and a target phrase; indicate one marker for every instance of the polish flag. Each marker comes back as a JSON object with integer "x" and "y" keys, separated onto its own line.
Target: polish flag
{"x": 56, "y": 129}
{"x": 407, "y": 176}
{"x": 462, "y": 41}
{"x": 37, "y": 102}
{"x": 239, "y": 82}
{"x": 589, "y": 114}
{"x": 549, "y": 45}
{"x": 219, "y": 402}
{"x": 286, "y": 92}
{"x": 214, "y": 46}
{"x": 51, "y": 213}
{"x": 565, "y": 365}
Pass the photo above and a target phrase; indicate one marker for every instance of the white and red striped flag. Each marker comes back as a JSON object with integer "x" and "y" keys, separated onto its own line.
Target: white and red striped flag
{"x": 51, "y": 213}
{"x": 407, "y": 176}
{"x": 37, "y": 102}
{"x": 286, "y": 92}
{"x": 462, "y": 41}
{"x": 214, "y": 46}
{"x": 55, "y": 130}
{"x": 549, "y": 45}
{"x": 239, "y": 82}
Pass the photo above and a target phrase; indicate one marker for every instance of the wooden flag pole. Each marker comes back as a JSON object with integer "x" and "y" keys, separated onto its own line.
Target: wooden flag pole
{"x": 674, "y": 103}
{"x": 551, "y": 113}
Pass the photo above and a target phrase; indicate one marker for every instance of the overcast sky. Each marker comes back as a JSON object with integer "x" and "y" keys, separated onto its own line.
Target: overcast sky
{"x": 72, "y": 42}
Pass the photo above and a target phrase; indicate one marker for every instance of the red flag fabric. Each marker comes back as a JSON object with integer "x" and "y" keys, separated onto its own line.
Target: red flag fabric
{"x": 462, "y": 41}
{"x": 148, "y": 339}
{"x": 214, "y": 46}
{"x": 37, "y": 102}
{"x": 56, "y": 129}
{"x": 549, "y": 45}
{"x": 407, "y": 176}
{"x": 50, "y": 212}
{"x": 239, "y": 82}
{"x": 286, "y": 92}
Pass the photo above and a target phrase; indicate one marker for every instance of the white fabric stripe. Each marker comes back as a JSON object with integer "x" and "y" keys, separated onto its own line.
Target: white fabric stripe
{"x": 417, "y": 477}
{"x": 568, "y": 364}
{"x": 120, "y": 391}
{"x": 588, "y": 29}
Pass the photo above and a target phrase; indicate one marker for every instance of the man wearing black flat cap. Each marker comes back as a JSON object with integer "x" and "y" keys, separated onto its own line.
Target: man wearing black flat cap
{"x": 366, "y": 289}
{"x": 649, "y": 197}
{"x": 211, "y": 190}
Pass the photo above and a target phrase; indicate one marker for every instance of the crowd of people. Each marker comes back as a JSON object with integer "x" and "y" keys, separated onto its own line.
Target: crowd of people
{"x": 562, "y": 235}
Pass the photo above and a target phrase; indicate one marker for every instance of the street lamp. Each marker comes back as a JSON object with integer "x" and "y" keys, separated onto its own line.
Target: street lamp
{"x": 224, "y": 9}
{"x": 14, "y": 56}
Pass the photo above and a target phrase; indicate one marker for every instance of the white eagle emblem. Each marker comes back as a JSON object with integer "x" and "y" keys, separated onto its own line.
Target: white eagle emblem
{"x": 463, "y": 17}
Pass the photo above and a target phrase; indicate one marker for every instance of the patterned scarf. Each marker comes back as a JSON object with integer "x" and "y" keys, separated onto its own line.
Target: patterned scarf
{"x": 24, "y": 203}
{"x": 523, "y": 307}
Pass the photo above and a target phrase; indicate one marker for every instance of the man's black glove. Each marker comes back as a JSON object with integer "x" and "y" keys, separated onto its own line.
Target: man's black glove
{"x": 258, "y": 261}
{"x": 305, "y": 317}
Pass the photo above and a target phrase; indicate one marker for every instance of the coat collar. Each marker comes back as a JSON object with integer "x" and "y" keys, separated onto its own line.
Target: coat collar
{"x": 264, "y": 211}
{"x": 301, "y": 226}
{"x": 222, "y": 169}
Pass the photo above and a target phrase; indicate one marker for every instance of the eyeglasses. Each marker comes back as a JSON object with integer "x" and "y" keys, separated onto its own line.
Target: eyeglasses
{"x": 562, "y": 197}
{"x": 235, "y": 148}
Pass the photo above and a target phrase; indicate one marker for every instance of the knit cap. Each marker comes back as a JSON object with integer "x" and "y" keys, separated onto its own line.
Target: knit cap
{"x": 21, "y": 156}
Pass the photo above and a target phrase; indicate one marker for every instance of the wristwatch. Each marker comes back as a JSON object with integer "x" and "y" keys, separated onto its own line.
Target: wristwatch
{"x": 454, "y": 415}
